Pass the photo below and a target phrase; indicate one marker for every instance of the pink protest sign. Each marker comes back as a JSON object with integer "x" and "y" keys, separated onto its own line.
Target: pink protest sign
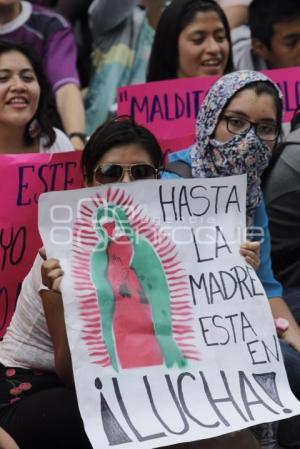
{"x": 169, "y": 108}
{"x": 23, "y": 177}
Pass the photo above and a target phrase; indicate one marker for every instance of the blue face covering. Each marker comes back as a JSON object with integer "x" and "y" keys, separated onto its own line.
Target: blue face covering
{"x": 244, "y": 153}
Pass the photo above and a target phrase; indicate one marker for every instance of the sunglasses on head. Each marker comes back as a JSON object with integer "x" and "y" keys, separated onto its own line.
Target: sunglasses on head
{"x": 107, "y": 173}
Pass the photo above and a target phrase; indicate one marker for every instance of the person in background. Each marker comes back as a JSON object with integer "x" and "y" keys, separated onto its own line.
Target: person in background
{"x": 52, "y": 38}
{"x": 76, "y": 12}
{"x": 24, "y": 98}
{"x": 122, "y": 34}
{"x": 273, "y": 38}
{"x": 192, "y": 39}
{"x": 281, "y": 188}
{"x": 282, "y": 196}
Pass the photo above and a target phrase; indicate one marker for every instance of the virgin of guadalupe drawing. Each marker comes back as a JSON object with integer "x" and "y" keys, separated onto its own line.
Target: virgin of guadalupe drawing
{"x": 132, "y": 294}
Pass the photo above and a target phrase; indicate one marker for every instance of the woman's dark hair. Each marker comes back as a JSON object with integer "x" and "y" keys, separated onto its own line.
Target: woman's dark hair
{"x": 163, "y": 63}
{"x": 116, "y": 132}
{"x": 295, "y": 122}
{"x": 41, "y": 114}
{"x": 266, "y": 87}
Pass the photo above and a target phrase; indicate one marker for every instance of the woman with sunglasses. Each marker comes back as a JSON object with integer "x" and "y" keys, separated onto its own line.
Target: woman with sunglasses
{"x": 36, "y": 407}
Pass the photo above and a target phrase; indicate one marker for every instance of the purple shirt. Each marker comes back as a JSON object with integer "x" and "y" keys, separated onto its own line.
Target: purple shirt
{"x": 51, "y": 35}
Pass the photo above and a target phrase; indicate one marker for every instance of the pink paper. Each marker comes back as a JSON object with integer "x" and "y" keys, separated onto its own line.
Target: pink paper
{"x": 169, "y": 108}
{"x": 22, "y": 178}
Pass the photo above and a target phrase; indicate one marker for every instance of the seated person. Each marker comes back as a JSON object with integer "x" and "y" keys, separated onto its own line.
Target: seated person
{"x": 52, "y": 38}
{"x": 281, "y": 189}
{"x": 122, "y": 34}
{"x": 41, "y": 411}
{"x": 24, "y": 122}
{"x": 282, "y": 198}
{"x": 198, "y": 42}
{"x": 76, "y": 11}
{"x": 272, "y": 39}
{"x": 228, "y": 106}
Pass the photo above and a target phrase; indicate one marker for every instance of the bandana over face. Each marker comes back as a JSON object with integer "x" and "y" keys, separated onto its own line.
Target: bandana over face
{"x": 243, "y": 153}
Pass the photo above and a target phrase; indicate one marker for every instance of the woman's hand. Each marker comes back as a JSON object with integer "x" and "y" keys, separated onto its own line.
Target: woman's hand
{"x": 51, "y": 272}
{"x": 292, "y": 337}
{"x": 54, "y": 312}
{"x": 292, "y": 332}
{"x": 251, "y": 252}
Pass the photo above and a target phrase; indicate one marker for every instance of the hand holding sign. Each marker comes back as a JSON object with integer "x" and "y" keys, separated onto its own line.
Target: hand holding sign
{"x": 207, "y": 333}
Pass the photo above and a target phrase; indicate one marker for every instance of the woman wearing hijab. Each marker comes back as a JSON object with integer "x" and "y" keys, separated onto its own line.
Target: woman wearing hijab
{"x": 237, "y": 128}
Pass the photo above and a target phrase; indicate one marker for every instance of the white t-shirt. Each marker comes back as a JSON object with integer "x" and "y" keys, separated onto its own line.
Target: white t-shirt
{"x": 27, "y": 342}
{"x": 62, "y": 143}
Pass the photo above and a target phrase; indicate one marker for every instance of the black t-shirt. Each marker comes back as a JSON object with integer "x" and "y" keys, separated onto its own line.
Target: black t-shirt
{"x": 282, "y": 198}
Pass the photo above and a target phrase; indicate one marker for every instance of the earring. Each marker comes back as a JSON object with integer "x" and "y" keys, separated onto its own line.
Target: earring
{"x": 34, "y": 129}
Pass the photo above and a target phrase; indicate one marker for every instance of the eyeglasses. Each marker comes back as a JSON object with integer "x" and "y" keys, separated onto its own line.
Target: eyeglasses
{"x": 107, "y": 173}
{"x": 238, "y": 125}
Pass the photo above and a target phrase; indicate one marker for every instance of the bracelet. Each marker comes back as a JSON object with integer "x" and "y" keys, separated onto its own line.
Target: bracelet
{"x": 81, "y": 136}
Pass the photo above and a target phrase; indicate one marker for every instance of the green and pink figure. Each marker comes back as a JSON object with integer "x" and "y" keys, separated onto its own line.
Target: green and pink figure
{"x": 133, "y": 295}
{"x": 132, "y": 290}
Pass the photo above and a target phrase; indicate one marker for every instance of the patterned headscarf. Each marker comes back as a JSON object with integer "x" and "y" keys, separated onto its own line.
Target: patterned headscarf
{"x": 244, "y": 153}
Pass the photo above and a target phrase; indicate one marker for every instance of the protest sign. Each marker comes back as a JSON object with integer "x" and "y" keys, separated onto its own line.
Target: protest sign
{"x": 22, "y": 178}
{"x": 169, "y": 108}
{"x": 170, "y": 331}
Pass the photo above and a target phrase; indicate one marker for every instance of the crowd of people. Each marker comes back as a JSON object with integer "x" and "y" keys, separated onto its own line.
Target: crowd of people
{"x": 61, "y": 63}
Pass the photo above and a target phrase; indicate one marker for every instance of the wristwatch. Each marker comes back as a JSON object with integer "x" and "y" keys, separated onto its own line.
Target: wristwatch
{"x": 81, "y": 136}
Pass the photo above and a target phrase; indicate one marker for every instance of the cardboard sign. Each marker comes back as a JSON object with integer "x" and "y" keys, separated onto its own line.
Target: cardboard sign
{"x": 170, "y": 331}
{"x": 22, "y": 178}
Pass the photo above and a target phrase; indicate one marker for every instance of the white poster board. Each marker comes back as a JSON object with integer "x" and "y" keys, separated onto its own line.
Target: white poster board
{"x": 170, "y": 331}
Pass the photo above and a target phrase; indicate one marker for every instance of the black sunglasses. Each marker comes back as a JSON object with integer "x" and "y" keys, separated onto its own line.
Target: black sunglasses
{"x": 107, "y": 173}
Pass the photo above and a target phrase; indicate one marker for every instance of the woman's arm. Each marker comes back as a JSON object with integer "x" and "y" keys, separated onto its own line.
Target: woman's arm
{"x": 236, "y": 15}
{"x": 54, "y": 312}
